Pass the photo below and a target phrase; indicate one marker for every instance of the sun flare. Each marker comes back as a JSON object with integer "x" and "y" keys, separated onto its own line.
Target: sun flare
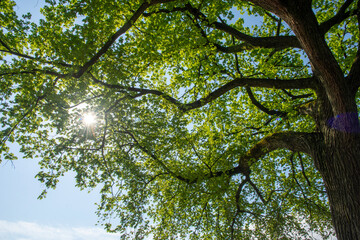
{"x": 89, "y": 119}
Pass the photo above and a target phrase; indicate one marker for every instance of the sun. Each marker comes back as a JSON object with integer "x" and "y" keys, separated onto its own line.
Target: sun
{"x": 89, "y": 119}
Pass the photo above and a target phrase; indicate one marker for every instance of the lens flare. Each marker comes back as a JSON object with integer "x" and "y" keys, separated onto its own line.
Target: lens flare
{"x": 89, "y": 119}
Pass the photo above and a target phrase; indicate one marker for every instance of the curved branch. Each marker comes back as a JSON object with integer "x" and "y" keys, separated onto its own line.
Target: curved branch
{"x": 17, "y": 53}
{"x": 278, "y": 42}
{"x": 157, "y": 160}
{"x": 293, "y": 97}
{"x": 340, "y": 16}
{"x": 354, "y": 74}
{"x": 303, "y": 169}
{"x": 33, "y": 71}
{"x": 258, "y": 192}
{"x": 294, "y": 141}
{"x": 303, "y": 22}
{"x": 301, "y": 83}
{"x": 127, "y": 25}
{"x": 262, "y": 107}
{"x": 17, "y": 123}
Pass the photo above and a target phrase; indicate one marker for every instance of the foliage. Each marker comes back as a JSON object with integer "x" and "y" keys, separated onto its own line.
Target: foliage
{"x": 184, "y": 92}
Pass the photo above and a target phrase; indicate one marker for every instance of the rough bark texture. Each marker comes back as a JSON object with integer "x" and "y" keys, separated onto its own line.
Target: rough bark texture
{"x": 338, "y": 163}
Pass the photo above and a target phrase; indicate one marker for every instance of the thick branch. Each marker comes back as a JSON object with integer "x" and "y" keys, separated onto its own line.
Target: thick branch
{"x": 340, "y": 16}
{"x": 278, "y": 42}
{"x": 252, "y": 82}
{"x": 302, "y": 20}
{"x": 302, "y": 83}
{"x": 294, "y": 141}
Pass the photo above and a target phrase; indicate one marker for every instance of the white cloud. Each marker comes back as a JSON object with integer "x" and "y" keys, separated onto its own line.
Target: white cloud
{"x": 33, "y": 231}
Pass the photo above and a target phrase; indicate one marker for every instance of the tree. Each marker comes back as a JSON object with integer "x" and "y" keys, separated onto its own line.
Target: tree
{"x": 209, "y": 125}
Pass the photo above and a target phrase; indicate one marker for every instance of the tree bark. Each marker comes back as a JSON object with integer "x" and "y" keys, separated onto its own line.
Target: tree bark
{"x": 337, "y": 159}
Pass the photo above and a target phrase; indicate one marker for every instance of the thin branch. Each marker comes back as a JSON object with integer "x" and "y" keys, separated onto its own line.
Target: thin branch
{"x": 17, "y": 53}
{"x": 13, "y": 128}
{"x": 238, "y": 209}
{"x": 127, "y": 25}
{"x": 157, "y": 160}
{"x": 258, "y": 192}
{"x": 354, "y": 74}
{"x": 237, "y": 65}
{"x": 238, "y": 192}
{"x": 199, "y": 157}
{"x": 278, "y": 27}
{"x": 303, "y": 169}
{"x": 142, "y": 91}
{"x": 293, "y": 97}
{"x": 297, "y": 182}
{"x": 77, "y": 104}
{"x": 154, "y": 177}
{"x": 34, "y": 71}
{"x": 262, "y": 107}
{"x": 5, "y": 45}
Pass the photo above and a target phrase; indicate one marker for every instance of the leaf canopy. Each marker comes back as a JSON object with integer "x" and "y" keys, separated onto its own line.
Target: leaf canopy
{"x": 183, "y": 92}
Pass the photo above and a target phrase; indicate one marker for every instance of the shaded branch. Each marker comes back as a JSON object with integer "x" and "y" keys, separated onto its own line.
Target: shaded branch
{"x": 294, "y": 141}
{"x": 34, "y": 71}
{"x": 303, "y": 169}
{"x": 340, "y": 16}
{"x": 157, "y": 160}
{"x": 262, "y": 107}
{"x": 293, "y": 97}
{"x": 302, "y": 83}
{"x": 258, "y": 192}
{"x": 25, "y": 115}
{"x": 278, "y": 42}
{"x": 5, "y": 45}
{"x": 127, "y": 25}
{"x": 354, "y": 74}
{"x": 16, "y": 53}
{"x": 251, "y": 82}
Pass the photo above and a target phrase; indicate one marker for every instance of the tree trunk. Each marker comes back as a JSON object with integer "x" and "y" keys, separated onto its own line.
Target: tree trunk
{"x": 338, "y": 160}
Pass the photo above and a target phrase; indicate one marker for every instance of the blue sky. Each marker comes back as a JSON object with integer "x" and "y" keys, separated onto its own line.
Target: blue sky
{"x": 66, "y": 214}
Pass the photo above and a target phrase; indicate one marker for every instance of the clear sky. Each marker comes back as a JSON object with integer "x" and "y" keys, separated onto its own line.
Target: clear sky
{"x": 66, "y": 214}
